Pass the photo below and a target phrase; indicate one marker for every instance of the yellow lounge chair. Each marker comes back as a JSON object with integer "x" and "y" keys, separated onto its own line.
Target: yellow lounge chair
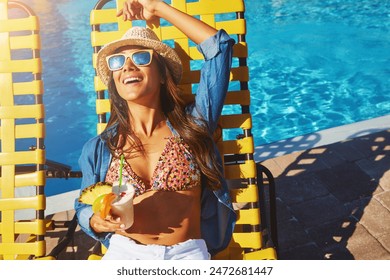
{"x": 240, "y": 168}
{"x": 22, "y": 155}
{"x": 24, "y": 167}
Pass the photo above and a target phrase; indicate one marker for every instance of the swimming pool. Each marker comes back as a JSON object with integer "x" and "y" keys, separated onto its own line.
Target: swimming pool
{"x": 313, "y": 65}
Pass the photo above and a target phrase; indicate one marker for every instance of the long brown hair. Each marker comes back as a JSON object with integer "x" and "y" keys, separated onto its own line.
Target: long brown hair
{"x": 193, "y": 131}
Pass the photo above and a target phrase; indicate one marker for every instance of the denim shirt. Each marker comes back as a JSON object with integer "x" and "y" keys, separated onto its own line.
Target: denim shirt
{"x": 217, "y": 214}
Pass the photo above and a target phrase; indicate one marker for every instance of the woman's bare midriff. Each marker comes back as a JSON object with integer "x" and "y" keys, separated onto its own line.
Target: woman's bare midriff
{"x": 165, "y": 217}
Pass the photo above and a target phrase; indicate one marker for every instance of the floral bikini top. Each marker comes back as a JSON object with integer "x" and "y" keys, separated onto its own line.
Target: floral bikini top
{"x": 176, "y": 170}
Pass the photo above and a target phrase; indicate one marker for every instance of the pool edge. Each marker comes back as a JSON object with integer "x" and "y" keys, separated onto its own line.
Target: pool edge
{"x": 321, "y": 138}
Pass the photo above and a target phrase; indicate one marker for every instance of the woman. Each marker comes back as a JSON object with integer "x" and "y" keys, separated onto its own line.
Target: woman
{"x": 182, "y": 207}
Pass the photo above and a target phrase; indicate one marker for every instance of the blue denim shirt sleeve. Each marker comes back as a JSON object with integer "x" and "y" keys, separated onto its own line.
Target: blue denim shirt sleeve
{"x": 88, "y": 166}
{"x": 214, "y": 79}
{"x": 217, "y": 214}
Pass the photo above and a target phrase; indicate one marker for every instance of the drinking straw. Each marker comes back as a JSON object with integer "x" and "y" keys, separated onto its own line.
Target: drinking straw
{"x": 120, "y": 171}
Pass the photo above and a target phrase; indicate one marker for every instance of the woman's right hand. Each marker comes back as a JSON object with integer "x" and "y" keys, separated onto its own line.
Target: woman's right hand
{"x": 138, "y": 9}
{"x": 109, "y": 224}
{"x": 193, "y": 28}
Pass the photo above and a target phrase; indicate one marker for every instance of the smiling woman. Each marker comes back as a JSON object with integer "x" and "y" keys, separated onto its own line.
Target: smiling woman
{"x": 181, "y": 205}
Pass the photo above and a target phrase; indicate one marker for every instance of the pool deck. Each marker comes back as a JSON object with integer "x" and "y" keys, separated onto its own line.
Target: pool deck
{"x": 333, "y": 202}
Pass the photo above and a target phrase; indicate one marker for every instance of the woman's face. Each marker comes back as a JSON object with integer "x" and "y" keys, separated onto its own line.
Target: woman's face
{"x": 138, "y": 84}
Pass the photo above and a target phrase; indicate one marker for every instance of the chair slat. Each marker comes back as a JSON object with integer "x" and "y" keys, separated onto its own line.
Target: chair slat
{"x": 20, "y": 24}
{"x": 10, "y": 250}
{"x": 36, "y": 130}
{"x": 33, "y": 87}
{"x": 241, "y": 171}
{"x": 248, "y": 217}
{"x": 32, "y": 202}
{"x": 28, "y": 227}
{"x": 241, "y": 97}
{"x": 243, "y": 121}
{"x": 102, "y": 106}
{"x": 30, "y": 157}
{"x": 101, "y": 127}
{"x": 20, "y": 66}
{"x": 99, "y": 39}
{"x": 240, "y": 49}
{"x": 232, "y": 26}
{"x": 102, "y": 16}
{"x": 214, "y": 7}
{"x": 240, "y": 74}
{"x": 247, "y": 240}
{"x": 22, "y": 111}
{"x": 241, "y": 146}
{"x": 245, "y": 195}
{"x": 37, "y": 178}
{"x": 263, "y": 254}
{"x": 25, "y": 42}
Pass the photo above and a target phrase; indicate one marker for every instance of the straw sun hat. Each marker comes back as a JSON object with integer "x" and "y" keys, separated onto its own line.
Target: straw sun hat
{"x": 144, "y": 37}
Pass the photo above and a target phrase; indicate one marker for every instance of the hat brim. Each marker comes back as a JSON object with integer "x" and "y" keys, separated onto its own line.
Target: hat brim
{"x": 171, "y": 58}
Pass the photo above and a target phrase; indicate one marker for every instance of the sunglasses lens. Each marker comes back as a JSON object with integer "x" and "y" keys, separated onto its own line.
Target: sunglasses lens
{"x": 141, "y": 58}
{"x": 116, "y": 62}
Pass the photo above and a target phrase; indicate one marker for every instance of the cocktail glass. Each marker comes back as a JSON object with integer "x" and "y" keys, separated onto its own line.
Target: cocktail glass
{"x": 122, "y": 206}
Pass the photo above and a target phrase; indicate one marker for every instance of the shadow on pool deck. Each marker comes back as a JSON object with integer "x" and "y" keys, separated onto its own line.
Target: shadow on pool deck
{"x": 333, "y": 202}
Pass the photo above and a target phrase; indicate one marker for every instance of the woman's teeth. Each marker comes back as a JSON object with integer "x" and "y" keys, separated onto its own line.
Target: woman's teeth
{"x": 131, "y": 80}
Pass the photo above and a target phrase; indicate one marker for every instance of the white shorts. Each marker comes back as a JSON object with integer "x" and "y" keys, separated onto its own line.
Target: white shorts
{"x": 124, "y": 248}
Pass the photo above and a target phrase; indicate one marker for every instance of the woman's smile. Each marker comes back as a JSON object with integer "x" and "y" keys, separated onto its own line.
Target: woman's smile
{"x": 131, "y": 79}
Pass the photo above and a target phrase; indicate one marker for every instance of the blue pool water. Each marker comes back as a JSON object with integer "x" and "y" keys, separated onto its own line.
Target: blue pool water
{"x": 313, "y": 64}
{"x": 317, "y": 64}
